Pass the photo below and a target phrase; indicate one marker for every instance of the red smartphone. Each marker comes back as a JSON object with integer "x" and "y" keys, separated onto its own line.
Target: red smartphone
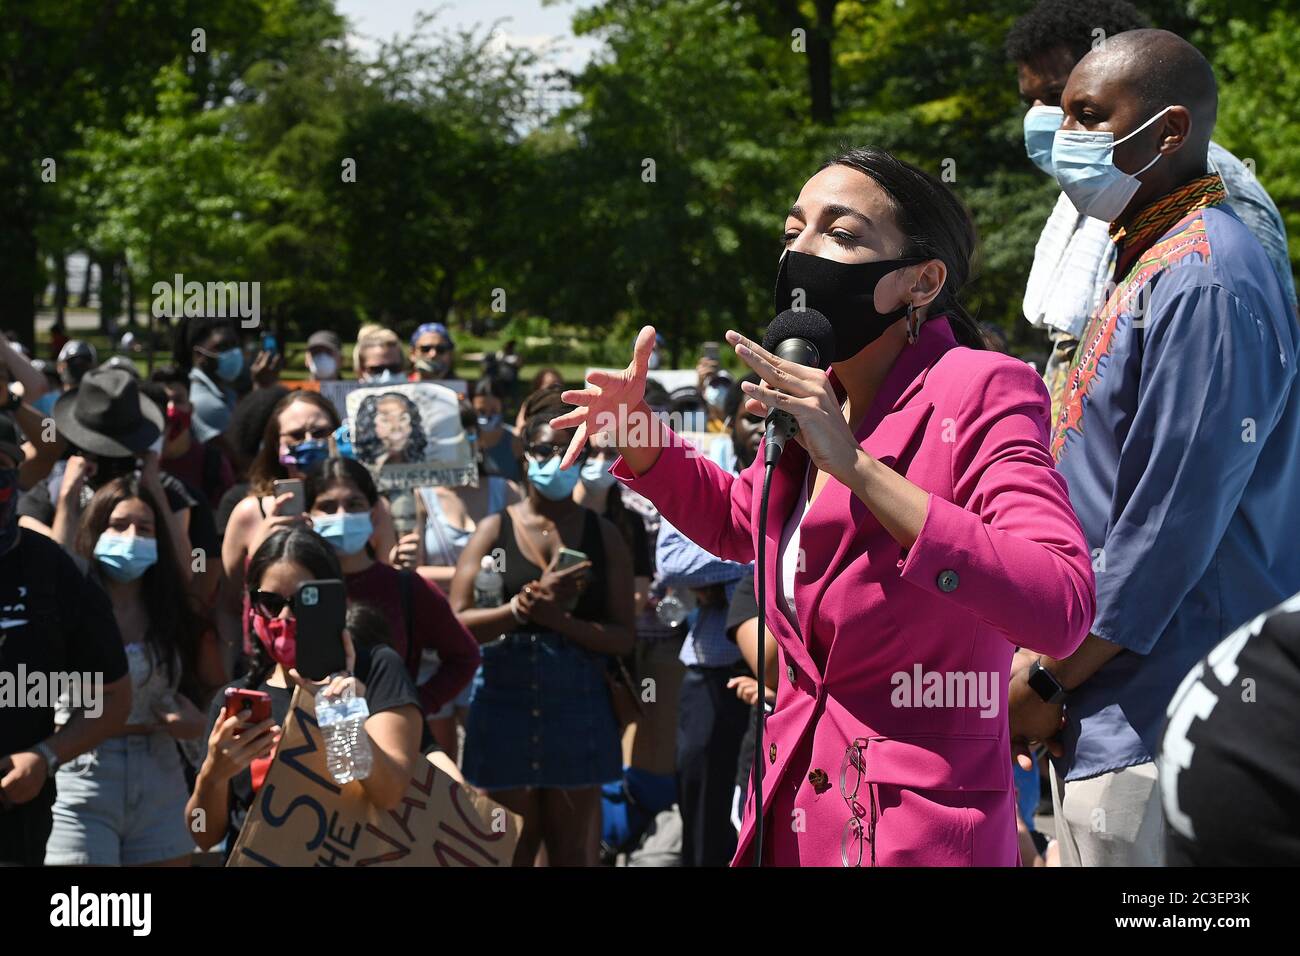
{"x": 257, "y": 701}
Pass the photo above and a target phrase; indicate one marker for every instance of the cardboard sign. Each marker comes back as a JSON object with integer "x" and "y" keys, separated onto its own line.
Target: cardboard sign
{"x": 410, "y": 435}
{"x": 301, "y": 817}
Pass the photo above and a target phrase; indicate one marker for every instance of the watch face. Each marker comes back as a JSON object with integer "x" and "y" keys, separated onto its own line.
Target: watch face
{"x": 1043, "y": 683}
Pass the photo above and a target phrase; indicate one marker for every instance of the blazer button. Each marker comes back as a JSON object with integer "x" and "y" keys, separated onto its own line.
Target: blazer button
{"x": 771, "y": 754}
{"x": 820, "y": 780}
{"x": 789, "y": 673}
{"x": 947, "y": 581}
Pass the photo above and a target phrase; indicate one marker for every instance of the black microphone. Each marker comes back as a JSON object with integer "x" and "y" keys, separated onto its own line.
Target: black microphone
{"x": 804, "y": 337}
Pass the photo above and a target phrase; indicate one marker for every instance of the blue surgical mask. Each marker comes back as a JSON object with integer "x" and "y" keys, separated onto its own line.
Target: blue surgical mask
{"x": 1041, "y": 124}
{"x": 125, "y": 557}
{"x": 305, "y": 454}
{"x": 716, "y": 395}
{"x": 1084, "y": 164}
{"x": 386, "y": 377}
{"x": 347, "y": 532}
{"x": 550, "y": 480}
{"x": 596, "y": 474}
{"x": 229, "y": 364}
{"x": 489, "y": 423}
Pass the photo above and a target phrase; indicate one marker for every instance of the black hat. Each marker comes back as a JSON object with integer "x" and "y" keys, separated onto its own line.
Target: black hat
{"x": 11, "y": 443}
{"x": 108, "y": 416}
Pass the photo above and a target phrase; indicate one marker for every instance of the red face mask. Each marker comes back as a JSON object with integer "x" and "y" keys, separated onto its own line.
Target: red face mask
{"x": 178, "y": 420}
{"x": 280, "y": 638}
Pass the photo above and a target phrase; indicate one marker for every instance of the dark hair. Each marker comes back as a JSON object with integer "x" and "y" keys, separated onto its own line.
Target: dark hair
{"x": 1070, "y": 24}
{"x": 539, "y": 420}
{"x": 368, "y": 626}
{"x": 543, "y": 400}
{"x": 935, "y": 222}
{"x": 170, "y": 375}
{"x": 735, "y": 397}
{"x": 155, "y": 393}
{"x": 174, "y": 623}
{"x": 266, "y": 466}
{"x": 299, "y": 546}
{"x": 656, "y": 396}
{"x": 192, "y": 332}
{"x": 369, "y": 446}
{"x": 488, "y": 387}
{"x": 333, "y": 471}
{"x": 248, "y": 421}
{"x": 542, "y": 373}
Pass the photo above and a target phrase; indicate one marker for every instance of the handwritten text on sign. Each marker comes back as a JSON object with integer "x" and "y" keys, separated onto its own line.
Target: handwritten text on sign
{"x": 302, "y": 818}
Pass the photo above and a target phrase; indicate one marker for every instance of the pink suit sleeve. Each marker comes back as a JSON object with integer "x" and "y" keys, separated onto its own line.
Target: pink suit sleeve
{"x": 1012, "y": 539}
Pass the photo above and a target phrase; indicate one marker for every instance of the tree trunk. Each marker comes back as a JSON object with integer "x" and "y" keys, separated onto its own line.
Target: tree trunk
{"x": 60, "y": 288}
{"x": 83, "y": 300}
{"x": 820, "y": 63}
{"x": 20, "y": 283}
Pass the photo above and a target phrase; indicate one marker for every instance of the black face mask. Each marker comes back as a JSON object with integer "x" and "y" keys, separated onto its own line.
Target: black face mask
{"x": 844, "y": 292}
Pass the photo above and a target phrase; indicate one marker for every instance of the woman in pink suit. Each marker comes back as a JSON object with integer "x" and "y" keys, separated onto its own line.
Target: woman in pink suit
{"x": 917, "y": 533}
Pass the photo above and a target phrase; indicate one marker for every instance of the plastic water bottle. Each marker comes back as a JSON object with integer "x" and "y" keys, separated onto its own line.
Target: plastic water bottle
{"x": 489, "y": 585}
{"x": 342, "y": 724}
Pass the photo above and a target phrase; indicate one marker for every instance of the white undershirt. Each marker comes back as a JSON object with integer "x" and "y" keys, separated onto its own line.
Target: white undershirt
{"x": 788, "y": 550}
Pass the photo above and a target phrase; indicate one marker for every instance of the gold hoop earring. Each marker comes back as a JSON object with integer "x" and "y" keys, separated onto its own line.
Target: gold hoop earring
{"x": 913, "y": 324}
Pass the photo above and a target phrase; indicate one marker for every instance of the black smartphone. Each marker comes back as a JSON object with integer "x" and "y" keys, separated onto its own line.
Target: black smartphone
{"x": 321, "y": 609}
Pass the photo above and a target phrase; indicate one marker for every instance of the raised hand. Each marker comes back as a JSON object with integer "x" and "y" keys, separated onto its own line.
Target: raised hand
{"x": 608, "y": 400}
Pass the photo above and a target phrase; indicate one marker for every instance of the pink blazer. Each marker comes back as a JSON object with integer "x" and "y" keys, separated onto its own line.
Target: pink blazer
{"x": 905, "y": 652}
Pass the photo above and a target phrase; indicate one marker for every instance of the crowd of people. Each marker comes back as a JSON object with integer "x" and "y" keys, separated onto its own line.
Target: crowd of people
{"x": 1090, "y": 534}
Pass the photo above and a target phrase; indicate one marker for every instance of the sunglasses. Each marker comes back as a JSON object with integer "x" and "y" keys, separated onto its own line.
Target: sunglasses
{"x": 381, "y": 369}
{"x": 270, "y": 604}
{"x": 305, "y": 434}
{"x": 542, "y": 452}
{"x": 442, "y": 348}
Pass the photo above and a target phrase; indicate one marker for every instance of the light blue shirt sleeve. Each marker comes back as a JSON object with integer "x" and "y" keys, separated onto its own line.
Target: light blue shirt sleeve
{"x": 683, "y": 563}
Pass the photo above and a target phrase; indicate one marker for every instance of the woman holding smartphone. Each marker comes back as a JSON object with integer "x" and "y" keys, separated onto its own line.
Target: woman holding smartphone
{"x": 240, "y": 752}
{"x": 916, "y": 531}
{"x": 541, "y": 736}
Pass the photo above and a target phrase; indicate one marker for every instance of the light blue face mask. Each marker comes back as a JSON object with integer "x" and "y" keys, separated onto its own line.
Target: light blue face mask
{"x": 596, "y": 474}
{"x": 550, "y": 480}
{"x": 347, "y": 532}
{"x": 1084, "y": 164}
{"x": 489, "y": 423}
{"x": 1041, "y": 124}
{"x": 229, "y": 364}
{"x": 386, "y": 377}
{"x": 125, "y": 557}
{"x": 716, "y": 395}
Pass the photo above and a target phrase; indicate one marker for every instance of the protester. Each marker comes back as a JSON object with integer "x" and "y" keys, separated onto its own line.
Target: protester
{"x": 56, "y": 622}
{"x": 1074, "y": 258}
{"x": 1229, "y": 779}
{"x": 494, "y": 438}
{"x": 377, "y": 358}
{"x": 921, "y": 477}
{"x": 22, "y": 389}
{"x": 203, "y": 466}
{"x": 247, "y": 426}
{"x": 439, "y": 653}
{"x": 541, "y": 736}
{"x": 1180, "y": 419}
{"x": 324, "y": 356}
{"x": 240, "y": 753}
{"x": 711, "y": 719}
{"x": 122, "y": 803}
{"x": 208, "y": 350}
{"x": 295, "y": 438}
{"x": 433, "y": 353}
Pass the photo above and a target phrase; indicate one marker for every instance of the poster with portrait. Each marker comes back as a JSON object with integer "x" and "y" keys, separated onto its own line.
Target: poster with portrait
{"x": 410, "y": 435}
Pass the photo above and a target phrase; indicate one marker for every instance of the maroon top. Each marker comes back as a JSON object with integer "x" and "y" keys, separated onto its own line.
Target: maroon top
{"x": 434, "y": 626}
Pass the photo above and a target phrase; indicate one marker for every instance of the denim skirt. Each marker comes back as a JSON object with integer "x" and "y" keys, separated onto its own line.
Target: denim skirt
{"x": 540, "y": 716}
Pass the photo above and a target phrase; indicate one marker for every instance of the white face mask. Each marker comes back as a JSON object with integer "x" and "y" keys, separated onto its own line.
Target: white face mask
{"x": 596, "y": 475}
{"x": 323, "y": 365}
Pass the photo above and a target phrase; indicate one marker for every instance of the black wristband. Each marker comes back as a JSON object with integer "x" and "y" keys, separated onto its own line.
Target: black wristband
{"x": 1044, "y": 684}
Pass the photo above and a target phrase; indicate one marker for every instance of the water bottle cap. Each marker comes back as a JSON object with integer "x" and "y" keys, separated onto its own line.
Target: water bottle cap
{"x": 487, "y": 563}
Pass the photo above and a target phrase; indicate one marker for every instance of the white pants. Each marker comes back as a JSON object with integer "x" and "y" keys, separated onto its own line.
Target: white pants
{"x": 1114, "y": 819}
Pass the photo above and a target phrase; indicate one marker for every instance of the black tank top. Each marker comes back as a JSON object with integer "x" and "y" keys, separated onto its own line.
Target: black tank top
{"x": 520, "y": 571}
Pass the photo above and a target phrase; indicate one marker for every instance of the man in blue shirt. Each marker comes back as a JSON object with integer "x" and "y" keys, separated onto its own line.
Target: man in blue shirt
{"x": 1179, "y": 436}
{"x": 711, "y": 719}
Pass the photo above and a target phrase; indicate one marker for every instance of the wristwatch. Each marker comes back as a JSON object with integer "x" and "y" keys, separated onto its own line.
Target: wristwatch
{"x": 1044, "y": 684}
{"x": 51, "y": 758}
{"x": 12, "y": 400}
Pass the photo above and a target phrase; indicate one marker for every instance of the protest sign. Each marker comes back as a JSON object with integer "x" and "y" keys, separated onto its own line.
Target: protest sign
{"x": 337, "y": 391}
{"x": 301, "y": 817}
{"x": 410, "y": 435}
